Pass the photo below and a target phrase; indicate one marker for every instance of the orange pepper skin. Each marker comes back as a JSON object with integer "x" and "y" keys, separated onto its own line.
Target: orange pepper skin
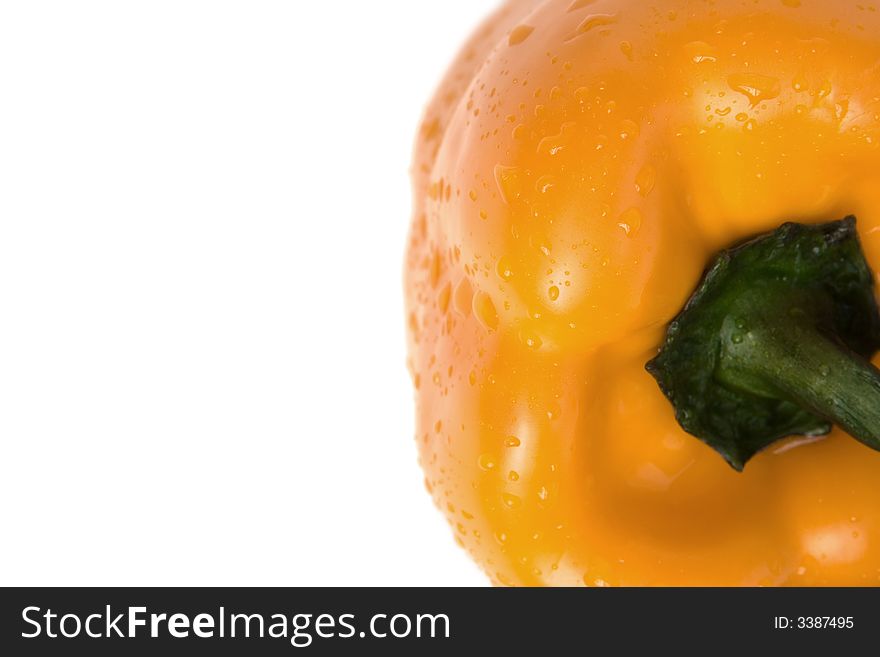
{"x": 579, "y": 166}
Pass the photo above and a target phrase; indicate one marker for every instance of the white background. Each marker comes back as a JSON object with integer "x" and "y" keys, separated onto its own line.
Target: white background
{"x": 203, "y": 211}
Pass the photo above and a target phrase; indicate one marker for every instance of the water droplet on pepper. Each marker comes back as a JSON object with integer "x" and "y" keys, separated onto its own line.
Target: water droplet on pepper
{"x": 519, "y": 34}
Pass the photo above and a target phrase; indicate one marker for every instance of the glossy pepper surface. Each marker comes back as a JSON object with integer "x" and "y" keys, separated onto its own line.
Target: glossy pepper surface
{"x": 579, "y": 167}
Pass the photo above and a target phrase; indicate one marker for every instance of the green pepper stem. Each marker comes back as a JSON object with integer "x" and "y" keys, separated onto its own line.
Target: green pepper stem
{"x": 799, "y": 362}
{"x": 776, "y": 341}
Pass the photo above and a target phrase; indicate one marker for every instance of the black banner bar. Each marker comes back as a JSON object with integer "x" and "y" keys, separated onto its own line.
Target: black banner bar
{"x": 339, "y": 621}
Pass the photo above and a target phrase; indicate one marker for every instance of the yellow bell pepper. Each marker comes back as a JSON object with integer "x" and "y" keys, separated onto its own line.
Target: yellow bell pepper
{"x": 580, "y": 167}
